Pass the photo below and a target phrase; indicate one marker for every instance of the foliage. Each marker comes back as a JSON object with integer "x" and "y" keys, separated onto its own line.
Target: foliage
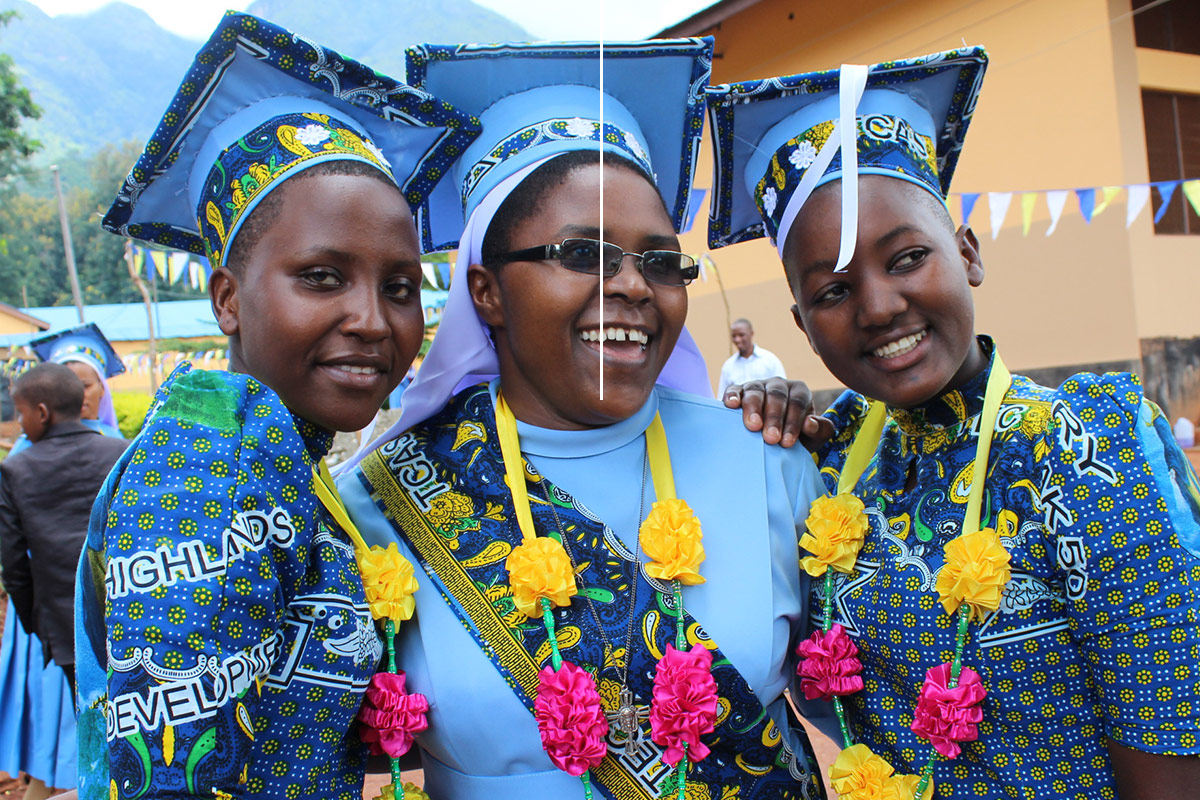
{"x": 16, "y": 105}
{"x": 131, "y": 408}
{"x": 34, "y": 260}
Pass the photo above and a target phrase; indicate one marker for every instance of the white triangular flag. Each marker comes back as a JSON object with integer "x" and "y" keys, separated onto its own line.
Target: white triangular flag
{"x": 430, "y": 272}
{"x": 1056, "y": 201}
{"x": 998, "y": 206}
{"x": 1139, "y": 195}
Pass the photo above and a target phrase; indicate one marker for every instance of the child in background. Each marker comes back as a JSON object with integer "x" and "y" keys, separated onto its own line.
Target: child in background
{"x": 1047, "y": 539}
{"x": 225, "y": 638}
{"x": 46, "y": 495}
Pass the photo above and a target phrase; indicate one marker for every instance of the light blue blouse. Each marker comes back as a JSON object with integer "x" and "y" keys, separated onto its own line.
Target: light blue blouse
{"x": 752, "y": 500}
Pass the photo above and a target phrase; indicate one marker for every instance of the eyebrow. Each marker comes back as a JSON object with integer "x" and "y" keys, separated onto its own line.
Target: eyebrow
{"x": 343, "y": 256}
{"x": 827, "y": 265}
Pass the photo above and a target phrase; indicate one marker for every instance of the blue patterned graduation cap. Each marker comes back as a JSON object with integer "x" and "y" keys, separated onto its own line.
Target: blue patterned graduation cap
{"x": 82, "y": 343}
{"x": 260, "y": 104}
{"x": 539, "y": 99}
{"x": 779, "y": 139}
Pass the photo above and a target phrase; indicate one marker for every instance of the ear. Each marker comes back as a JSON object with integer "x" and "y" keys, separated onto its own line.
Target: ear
{"x": 487, "y": 294}
{"x": 43, "y": 413}
{"x": 223, "y": 293}
{"x": 968, "y": 248}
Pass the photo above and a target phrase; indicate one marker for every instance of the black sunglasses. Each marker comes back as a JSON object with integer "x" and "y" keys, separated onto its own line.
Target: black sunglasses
{"x": 665, "y": 267}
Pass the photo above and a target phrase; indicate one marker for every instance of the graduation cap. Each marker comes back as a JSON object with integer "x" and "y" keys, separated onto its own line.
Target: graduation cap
{"x": 779, "y": 139}
{"x": 84, "y": 343}
{"x": 261, "y": 104}
{"x": 539, "y": 99}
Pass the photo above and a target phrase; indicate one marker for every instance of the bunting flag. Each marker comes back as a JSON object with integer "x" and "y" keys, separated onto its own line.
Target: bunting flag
{"x": 1166, "y": 191}
{"x": 1087, "y": 203}
{"x": 1028, "y": 199}
{"x": 1139, "y": 195}
{"x": 1056, "y": 201}
{"x": 968, "y": 205}
{"x": 998, "y": 203}
{"x": 1191, "y": 190}
{"x": 1093, "y": 200}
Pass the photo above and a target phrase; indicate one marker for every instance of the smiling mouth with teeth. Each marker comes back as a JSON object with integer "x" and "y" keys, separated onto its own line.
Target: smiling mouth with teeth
{"x": 899, "y": 347}
{"x": 358, "y": 370}
{"x": 616, "y": 335}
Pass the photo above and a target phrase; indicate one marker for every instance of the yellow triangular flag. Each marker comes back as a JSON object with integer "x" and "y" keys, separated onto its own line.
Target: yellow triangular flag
{"x": 1108, "y": 192}
{"x": 1191, "y": 190}
{"x": 1027, "y": 201}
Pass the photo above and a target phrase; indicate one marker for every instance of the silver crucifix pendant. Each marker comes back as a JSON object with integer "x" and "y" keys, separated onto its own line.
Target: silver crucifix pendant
{"x": 627, "y": 720}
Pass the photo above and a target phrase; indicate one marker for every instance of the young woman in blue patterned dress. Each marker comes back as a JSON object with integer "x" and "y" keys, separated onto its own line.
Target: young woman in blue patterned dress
{"x": 1088, "y": 651}
{"x": 225, "y": 640}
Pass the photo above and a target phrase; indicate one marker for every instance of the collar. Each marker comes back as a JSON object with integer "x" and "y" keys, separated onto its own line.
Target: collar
{"x": 753, "y": 353}
{"x": 317, "y": 440}
{"x": 68, "y": 428}
{"x": 952, "y": 408}
{"x": 551, "y": 443}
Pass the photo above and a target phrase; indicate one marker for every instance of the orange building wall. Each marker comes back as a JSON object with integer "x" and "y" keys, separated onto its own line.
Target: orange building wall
{"x": 1060, "y": 108}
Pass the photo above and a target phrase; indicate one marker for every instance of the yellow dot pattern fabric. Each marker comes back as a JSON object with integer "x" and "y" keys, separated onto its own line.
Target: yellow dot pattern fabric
{"x": 1097, "y": 632}
{"x": 225, "y": 607}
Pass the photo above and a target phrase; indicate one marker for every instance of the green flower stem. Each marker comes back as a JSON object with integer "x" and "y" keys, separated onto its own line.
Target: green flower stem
{"x": 847, "y": 738}
{"x": 548, "y": 621}
{"x": 827, "y": 619}
{"x": 926, "y": 774}
{"x": 586, "y": 778}
{"x": 389, "y": 629}
{"x": 681, "y": 772}
{"x": 680, "y": 636}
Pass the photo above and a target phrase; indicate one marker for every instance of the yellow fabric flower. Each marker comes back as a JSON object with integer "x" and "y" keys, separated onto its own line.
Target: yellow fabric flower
{"x": 389, "y": 582}
{"x": 540, "y": 568}
{"x": 411, "y": 792}
{"x": 670, "y": 537}
{"x": 859, "y": 774}
{"x": 836, "y": 527}
{"x": 976, "y": 572}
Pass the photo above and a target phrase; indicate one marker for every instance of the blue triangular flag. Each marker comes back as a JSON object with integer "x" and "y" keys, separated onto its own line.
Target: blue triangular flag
{"x": 1087, "y": 203}
{"x": 968, "y": 205}
{"x": 1166, "y": 191}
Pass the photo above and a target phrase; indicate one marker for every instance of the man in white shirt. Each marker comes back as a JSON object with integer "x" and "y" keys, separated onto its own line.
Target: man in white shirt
{"x": 750, "y": 362}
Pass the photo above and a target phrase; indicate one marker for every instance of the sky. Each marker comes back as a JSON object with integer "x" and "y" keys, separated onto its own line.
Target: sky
{"x": 544, "y": 19}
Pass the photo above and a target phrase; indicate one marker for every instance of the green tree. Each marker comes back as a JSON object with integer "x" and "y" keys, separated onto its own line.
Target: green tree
{"x": 16, "y": 105}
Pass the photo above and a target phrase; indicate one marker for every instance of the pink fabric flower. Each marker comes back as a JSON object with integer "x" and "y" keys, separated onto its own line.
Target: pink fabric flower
{"x": 390, "y": 716}
{"x": 830, "y": 667}
{"x": 685, "y": 703}
{"x": 948, "y": 716}
{"x": 570, "y": 718}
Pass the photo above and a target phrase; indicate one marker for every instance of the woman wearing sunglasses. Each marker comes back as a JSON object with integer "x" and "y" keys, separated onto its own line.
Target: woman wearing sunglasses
{"x": 609, "y": 589}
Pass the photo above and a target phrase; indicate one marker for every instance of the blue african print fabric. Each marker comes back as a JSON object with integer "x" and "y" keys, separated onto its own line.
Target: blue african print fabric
{"x": 225, "y": 606}
{"x": 1096, "y": 635}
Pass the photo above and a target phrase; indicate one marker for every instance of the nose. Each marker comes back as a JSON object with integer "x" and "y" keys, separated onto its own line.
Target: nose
{"x": 364, "y": 315}
{"x": 880, "y": 302}
{"x": 629, "y": 283}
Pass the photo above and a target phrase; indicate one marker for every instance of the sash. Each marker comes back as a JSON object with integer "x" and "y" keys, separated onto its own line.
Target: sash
{"x": 441, "y": 486}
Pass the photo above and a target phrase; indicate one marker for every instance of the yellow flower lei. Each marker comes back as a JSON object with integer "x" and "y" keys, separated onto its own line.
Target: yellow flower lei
{"x": 970, "y": 584}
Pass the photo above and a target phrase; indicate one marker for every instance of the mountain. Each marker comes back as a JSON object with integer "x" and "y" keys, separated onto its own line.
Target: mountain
{"x": 106, "y": 76}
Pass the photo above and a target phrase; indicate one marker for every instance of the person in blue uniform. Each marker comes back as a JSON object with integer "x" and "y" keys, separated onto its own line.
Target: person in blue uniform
{"x": 1066, "y": 518}
{"x": 224, "y": 638}
{"x": 584, "y": 369}
{"x": 37, "y": 732}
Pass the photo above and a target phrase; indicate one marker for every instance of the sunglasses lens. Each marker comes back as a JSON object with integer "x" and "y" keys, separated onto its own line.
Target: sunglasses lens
{"x": 668, "y": 267}
{"x": 586, "y": 255}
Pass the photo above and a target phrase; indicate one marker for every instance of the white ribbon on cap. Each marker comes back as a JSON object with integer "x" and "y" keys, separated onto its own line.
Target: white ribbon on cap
{"x": 852, "y": 81}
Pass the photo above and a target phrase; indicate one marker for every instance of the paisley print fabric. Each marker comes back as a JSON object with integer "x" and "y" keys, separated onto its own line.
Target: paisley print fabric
{"x": 227, "y": 637}
{"x": 1096, "y": 635}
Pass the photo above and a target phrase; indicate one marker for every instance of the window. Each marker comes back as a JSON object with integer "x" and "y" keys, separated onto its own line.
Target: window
{"x": 1173, "y": 25}
{"x": 1173, "y": 152}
